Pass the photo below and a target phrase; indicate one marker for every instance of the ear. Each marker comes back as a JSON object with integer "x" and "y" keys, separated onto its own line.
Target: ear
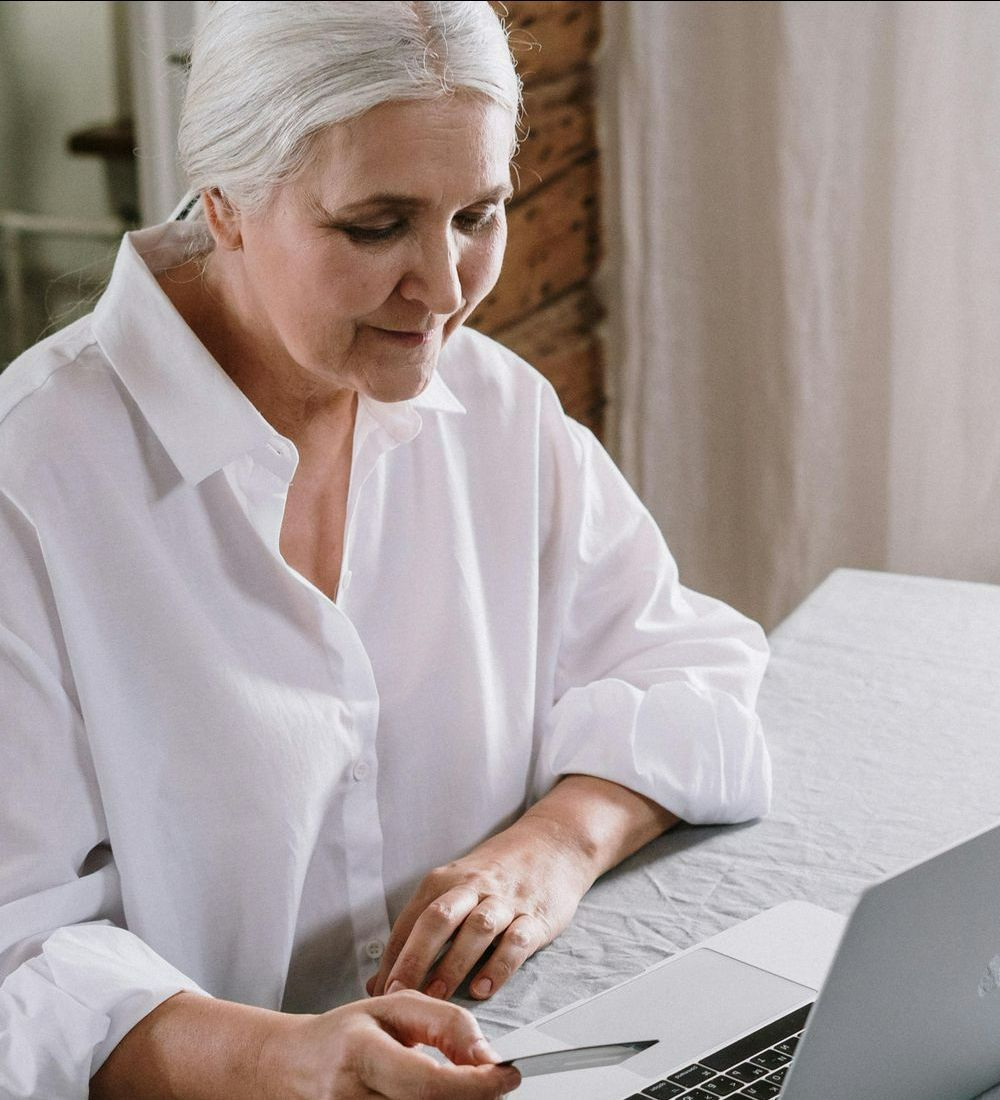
{"x": 223, "y": 220}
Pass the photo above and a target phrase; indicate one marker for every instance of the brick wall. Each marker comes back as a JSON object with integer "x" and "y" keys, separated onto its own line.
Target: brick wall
{"x": 543, "y": 306}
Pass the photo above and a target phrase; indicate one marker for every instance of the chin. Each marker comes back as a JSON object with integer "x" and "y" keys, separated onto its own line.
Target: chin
{"x": 389, "y": 389}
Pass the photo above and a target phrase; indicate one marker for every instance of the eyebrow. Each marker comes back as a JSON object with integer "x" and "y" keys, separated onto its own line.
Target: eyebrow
{"x": 388, "y": 200}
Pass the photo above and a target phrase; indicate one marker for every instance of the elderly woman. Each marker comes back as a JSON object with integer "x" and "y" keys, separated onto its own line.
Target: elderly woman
{"x": 332, "y": 653}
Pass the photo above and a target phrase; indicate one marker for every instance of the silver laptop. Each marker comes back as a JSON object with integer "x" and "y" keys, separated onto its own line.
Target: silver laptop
{"x": 907, "y": 1001}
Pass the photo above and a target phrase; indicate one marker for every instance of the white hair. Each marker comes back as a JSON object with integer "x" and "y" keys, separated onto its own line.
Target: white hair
{"x": 267, "y": 77}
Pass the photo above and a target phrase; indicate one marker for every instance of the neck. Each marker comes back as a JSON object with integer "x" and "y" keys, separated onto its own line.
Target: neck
{"x": 293, "y": 402}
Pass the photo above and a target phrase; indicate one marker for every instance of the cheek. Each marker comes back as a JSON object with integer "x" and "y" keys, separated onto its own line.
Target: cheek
{"x": 357, "y": 282}
{"x": 481, "y": 269}
{"x": 333, "y": 290}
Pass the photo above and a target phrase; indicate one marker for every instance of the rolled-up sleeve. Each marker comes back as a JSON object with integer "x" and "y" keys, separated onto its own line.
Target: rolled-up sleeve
{"x": 653, "y": 686}
{"x": 74, "y": 981}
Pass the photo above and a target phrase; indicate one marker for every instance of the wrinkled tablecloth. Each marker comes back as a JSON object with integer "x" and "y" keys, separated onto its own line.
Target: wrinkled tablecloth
{"x": 881, "y": 707}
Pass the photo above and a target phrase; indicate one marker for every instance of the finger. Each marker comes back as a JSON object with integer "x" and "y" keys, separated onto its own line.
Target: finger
{"x": 523, "y": 937}
{"x": 400, "y": 933}
{"x": 410, "y": 1018}
{"x": 480, "y": 928}
{"x": 431, "y": 931}
{"x": 398, "y": 1073}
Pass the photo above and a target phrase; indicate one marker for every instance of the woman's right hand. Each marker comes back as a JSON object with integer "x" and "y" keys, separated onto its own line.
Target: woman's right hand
{"x": 365, "y": 1050}
{"x": 207, "y": 1049}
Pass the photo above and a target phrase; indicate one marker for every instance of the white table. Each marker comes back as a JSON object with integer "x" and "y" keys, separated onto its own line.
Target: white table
{"x": 882, "y": 710}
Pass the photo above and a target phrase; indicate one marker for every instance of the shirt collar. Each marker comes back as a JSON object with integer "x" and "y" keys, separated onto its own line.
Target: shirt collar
{"x": 401, "y": 419}
{"x": 198, "y": 413}
{"x": 202, "y": 418}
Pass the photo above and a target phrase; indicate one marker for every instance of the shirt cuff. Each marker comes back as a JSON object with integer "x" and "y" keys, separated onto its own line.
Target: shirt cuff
{"x": 699, "y": 754}
{"x": 64, "y": 1011}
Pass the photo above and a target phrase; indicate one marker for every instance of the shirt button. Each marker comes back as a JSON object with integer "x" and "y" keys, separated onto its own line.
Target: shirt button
{"x": 345, "y": 581}
{"x": 375, "y": 949}
{"x": 361, "y": 770}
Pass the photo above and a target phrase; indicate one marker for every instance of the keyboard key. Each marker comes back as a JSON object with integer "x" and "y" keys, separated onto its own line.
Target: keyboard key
{"x": 760, "y": 1090}
{"x": 663, "y": 1090}
{"x": 698, "y": 1094}
{"x": 761, "y": 1039}
{"x": 771, "y": 1059}
{"x": 746, "y": 1071}
{"x": 788, "y": 1046}
{"x": 778, "y": 1077}
{"x": 691, "y": 1075}
{"x": 721, "y": 1085}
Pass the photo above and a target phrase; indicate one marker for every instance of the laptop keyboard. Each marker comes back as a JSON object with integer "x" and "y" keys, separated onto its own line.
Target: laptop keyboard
{"x": 753, "y": 1067}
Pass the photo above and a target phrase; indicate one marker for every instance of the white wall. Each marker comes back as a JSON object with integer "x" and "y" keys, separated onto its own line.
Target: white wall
{"x": 57, "y": 75}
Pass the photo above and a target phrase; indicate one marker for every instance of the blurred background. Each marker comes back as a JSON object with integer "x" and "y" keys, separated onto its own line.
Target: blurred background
{"x": 755, "y": 246}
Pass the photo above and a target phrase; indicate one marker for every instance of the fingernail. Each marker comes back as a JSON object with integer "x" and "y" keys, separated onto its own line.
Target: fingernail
{"x": 483, "y": 987}
{"x": 482, "y": 1050}
{"x": 511, "y": 1078}
{"x": 436, "y": 989}
{"x": 394, "y": 986}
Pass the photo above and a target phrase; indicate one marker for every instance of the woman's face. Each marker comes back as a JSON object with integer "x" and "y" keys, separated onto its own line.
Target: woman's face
{"x": 365, "y": 264}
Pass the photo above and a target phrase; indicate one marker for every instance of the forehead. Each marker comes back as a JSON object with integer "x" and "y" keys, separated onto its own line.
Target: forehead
{"x": 429, "y": 149}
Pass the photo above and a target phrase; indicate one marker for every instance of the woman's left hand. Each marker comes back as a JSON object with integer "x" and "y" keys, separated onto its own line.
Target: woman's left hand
{"x": 517, "y": 890}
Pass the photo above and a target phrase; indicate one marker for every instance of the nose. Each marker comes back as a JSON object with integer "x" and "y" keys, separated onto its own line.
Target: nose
{"x": 433, "y": 278}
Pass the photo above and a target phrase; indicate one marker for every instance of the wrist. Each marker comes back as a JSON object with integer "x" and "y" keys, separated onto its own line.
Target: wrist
{"x": 598, "y": 822}
{"x": 568, "y": 838}
{"x": 277, "y": 1070}
{"x": 192, "y": 1046}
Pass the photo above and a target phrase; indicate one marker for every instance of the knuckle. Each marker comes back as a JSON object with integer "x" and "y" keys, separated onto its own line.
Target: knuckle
{"x": 460, "y": 1024}
{"x": 454, "y": 1016}
{"x": 409, "y": 995}
{"x": 483, "y": 920}
{"x": 441, "y": 911}
{"x": 519, "y": 934}
{"x": 448, "y": 1026}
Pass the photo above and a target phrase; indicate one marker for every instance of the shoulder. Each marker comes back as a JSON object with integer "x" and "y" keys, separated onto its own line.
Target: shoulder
{"x": 500, "y": 390}
{"x": 515, "y": 417}
{"x": 34, "y": 368}
{"x": 50, "y": 396}
{"x": 477, "y": 366}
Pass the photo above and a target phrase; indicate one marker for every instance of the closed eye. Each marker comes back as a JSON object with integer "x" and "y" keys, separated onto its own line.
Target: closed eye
{"x": 475, "y": 221}
{"x": 373, "y": 234}
{"x": 467, "y": 221}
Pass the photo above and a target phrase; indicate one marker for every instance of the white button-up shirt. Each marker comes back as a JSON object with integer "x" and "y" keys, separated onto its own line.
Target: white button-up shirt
{"x": 212, "y": 776}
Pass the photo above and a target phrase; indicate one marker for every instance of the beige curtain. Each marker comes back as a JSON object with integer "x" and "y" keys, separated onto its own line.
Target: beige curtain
{"x": 802, "y": 204}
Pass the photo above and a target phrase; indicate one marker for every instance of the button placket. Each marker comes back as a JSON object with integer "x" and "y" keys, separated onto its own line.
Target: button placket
{"x": 358, "y": 723}
{"x": 363, "y": 827}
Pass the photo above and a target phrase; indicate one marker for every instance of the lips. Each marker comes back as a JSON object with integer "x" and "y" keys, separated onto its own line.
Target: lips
{"x": 409, "y": 339}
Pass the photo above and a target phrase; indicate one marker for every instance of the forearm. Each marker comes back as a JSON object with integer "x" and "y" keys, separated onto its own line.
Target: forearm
{"x": 603, "y": 822}
{"x": 193, "y": 1047}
